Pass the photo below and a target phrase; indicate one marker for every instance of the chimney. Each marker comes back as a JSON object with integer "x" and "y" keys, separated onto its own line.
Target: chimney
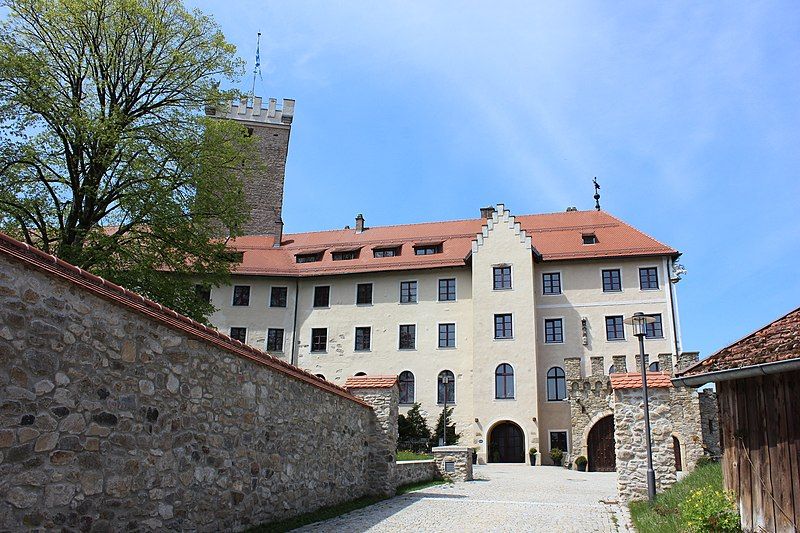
{"x": 359, "y": 223}
{"x": 278, "y": 233}
{"x": 486, "y": 212}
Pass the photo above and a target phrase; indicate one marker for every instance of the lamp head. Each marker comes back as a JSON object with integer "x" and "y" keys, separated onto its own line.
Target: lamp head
{"x": 639, "y": 322}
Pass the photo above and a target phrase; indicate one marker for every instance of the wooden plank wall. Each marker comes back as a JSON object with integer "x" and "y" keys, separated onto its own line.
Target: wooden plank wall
{"x": 760, "y": 421}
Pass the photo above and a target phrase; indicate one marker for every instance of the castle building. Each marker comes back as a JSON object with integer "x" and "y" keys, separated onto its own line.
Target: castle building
{"x": 502, "y": 315}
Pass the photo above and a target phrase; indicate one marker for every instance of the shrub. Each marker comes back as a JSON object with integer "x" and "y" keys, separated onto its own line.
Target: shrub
{"x": 709, "y": 510}
{"x": 556, "y": 454}
{"x": 452, "y": 436}
{"x": 581, "y": 460}
{"x": 412, "y": 431}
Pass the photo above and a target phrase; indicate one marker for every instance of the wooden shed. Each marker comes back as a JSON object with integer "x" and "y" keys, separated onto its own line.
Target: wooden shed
{"x": 758, "y": 393}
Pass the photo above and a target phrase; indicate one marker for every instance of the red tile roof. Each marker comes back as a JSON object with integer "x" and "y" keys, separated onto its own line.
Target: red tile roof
{"x": 555, "y": 236}
{"x": 53, "y": 266}
{"x": 370, "y": 382}
{"x": 777, "y": 341}
{"x": 633, "y": 380}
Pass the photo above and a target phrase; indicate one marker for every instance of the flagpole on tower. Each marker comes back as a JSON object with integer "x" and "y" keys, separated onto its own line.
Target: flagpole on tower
{"x": 256, "y": 67}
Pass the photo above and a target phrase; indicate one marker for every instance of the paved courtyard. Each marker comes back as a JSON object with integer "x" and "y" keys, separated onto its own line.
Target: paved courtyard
{"x": 502, "y": 498}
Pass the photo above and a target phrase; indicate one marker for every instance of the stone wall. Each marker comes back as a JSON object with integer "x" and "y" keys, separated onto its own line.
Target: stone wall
{"x": 458, "y": 457}
{"x": 685, "y": 419}
{"x": 112, "y": 416}
{"x": 590, "y": 399}
{"x": 709, "y": 420}
{"x": 407, "y": 472}
{"x": 630, "y": 446}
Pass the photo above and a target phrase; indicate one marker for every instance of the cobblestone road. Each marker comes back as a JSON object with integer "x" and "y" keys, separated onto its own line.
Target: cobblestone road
{"x": 502, "y": 498}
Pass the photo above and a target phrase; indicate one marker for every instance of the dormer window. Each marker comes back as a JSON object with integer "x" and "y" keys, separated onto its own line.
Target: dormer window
{"x": 308, "y": 258}
{"x": 345, "y": 255}
{"x": 428, "y": 248}
{"x": 386, "y": 252}
{"x": 589, "y": 238}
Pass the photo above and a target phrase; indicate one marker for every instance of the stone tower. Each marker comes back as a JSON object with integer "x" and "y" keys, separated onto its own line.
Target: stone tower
{"x": 264, "y": 191}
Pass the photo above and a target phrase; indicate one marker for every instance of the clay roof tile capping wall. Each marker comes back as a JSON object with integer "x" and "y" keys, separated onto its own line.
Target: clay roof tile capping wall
{"x": 556, "y": 236}
{"x": 633, "y": 380}
{"x": 777, "y": 341}
{"x": 53, "y": 266}
{"x": 370, "y": 382}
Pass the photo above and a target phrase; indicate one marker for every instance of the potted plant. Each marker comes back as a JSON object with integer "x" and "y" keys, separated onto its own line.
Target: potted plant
{"x": 556, "y": 455}
{"x": 581, "y": 463}
{"x": 532, "y": 454}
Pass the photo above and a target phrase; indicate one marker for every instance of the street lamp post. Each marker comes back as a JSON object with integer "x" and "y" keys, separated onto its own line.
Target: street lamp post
{"x": 443, "y": 440}
{"x": 639, "y": 322}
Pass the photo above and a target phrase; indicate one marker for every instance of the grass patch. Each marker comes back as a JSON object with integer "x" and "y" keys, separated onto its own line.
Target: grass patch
{"x": 405, "y": 489}
{"x": 405, "y": 455}
{"x": 663, "y": 516}
{"x": 326, "y": 513}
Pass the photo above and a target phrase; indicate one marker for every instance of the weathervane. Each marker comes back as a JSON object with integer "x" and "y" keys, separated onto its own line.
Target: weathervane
{"x": 596, "y": 194}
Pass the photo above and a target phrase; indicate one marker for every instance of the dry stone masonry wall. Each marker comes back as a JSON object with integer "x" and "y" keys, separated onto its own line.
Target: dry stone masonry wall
{"x": 111, "y": 420}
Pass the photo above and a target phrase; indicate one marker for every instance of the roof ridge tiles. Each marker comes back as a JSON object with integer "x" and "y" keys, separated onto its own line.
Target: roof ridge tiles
{"x": 111, "y": 291}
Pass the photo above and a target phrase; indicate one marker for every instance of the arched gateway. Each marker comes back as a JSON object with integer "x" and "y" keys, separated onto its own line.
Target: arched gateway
{"x": 506, "y": 443}
{"x": 602, "y": 457}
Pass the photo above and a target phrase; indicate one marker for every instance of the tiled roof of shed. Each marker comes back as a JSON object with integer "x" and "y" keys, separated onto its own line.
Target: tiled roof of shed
{"x": 555, "y": 236}
{"x": 119, "y": 295}
{"x": 777, "y": 341}
{"x": 370, "y": 382}
{"x": 633, "y": 380}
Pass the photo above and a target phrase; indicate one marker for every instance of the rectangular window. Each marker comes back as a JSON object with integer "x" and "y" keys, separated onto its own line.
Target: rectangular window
{"x": 319, "y": 339}
{"x": 203, "y": 292}
{"x": 241, "y": 295}
{"x": 239, "y": 334}
{"x": 502, "y": 277}
{"x": 344, "y": 256}
{"x": 553, "y": 330}
{"x": 363, "y": 335}
{"x": 408, "y": 337}
{"x": 551, "y": 283}
{"x": 308, "y": 258}
{"x": 589, "y": 238}
{"x": 447, "y": 335}
{"x": 386, "y": 252}
{"x": 558, "y": 439}
{"x": 648, "y": 278}
{"x": 322, "y": 296}
{"x": 502, "y": 326}
{"x": 447, "y": 290}
{"x": 612, "y": 280}
{"x": 364, "y": 293}
{"x": 277, "y": 296}
{"x": 615, "y": 328}
{"x": 654, "y": 330}
{"x": 274, "y": 340}
{"x": 428, "y": 249}
{"x": 408, "y": 292}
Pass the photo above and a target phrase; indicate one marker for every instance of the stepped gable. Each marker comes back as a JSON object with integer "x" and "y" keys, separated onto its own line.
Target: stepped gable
{"x": 50, "y": 264}
{"x": 554, "y": 237}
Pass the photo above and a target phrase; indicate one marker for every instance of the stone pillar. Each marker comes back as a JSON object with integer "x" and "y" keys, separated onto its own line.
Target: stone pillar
{"x": 572, "y": 367}
{"x": 687, "y": 359}
{"x": 630, "y": 446}
{"x": 454, "y": 462}
{"x": 382, "y": 393}
{"x": 597, "y": 366}
{"x": 665, "y": 362}
{"x": 620, "y": 363}
{"x": 648, "y": 359}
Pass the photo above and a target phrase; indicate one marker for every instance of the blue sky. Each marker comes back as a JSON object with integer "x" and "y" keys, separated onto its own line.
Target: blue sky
{"x": 688, "y": 113}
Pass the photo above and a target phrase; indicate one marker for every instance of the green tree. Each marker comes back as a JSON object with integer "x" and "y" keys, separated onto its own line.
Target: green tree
{"x": 452, "y": 436}
{"x": 412, "y": 430}
{"x": 107, "y": 159}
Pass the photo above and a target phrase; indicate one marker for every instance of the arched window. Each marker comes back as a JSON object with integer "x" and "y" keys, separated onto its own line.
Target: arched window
{"x": 504, "y": 381}
{"x": 320, "y": 376}
{"x": 451, "y": 387}
{"x": 655, "y": 366}
{"x": 612, "y": 369}
{"x": 360, "y": 374}
{"x": 556, "y": 384}
{"x": 406, "y": 387}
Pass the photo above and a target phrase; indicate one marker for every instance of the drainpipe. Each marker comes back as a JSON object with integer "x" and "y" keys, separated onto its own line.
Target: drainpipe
{"x": 673, "y": 300}
{"x": 294, "y": 324}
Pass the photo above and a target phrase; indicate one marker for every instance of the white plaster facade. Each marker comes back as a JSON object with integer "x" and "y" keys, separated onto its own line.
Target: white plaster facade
{"x": 477, "y": 353}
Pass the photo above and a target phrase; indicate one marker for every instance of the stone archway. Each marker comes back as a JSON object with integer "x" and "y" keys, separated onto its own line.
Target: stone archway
{"x": 600, "y": 443}
{"x": 506, "y": 443}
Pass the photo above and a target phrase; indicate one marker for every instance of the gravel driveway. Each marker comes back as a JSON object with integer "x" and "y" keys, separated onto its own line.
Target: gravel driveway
{"x": 502, "y": 498}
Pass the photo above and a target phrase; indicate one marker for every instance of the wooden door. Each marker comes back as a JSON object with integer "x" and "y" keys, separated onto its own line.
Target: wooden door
{"x": 506, "y": 444}
{"x": 602, "y": 457}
